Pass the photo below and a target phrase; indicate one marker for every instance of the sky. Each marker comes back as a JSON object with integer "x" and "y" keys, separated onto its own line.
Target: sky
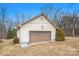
{"x": 33, "y": 9}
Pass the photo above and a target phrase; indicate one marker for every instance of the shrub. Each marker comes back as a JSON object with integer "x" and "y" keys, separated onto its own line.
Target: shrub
{"x": 11, "y": 33}
{"x": 16, "y": 40}
{"x": 60, "y": 35}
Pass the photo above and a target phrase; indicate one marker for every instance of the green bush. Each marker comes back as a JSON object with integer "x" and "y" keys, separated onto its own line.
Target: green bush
{"x": 16, "y": 40}
{"x": 11, "y": 33}
{"x": 60, "y": 35}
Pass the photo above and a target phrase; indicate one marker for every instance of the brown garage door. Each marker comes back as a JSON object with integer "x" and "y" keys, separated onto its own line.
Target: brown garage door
{"x": 40, "y": 36}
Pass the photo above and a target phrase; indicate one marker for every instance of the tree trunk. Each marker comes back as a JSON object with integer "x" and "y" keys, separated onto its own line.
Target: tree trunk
{"x": 73, "y": 33}
{"x": 73, "y": 29}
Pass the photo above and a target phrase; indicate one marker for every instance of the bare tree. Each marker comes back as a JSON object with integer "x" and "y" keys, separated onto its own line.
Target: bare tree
{"x": 3, "y": 16}
{"x": 17, "y": 16}
{"x": 10, "y": 24}
{"x": 20, "y": 18}
{"x": 69, "y": 23}
{"x": 23, "y": 18}
{"x": 53, "y": 13}
{"x": 74, "y": 18}
{"x": 74, "y": 22}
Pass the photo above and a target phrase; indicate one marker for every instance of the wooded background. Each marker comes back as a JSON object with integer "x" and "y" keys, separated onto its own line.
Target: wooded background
{"x": 68, "y": 21}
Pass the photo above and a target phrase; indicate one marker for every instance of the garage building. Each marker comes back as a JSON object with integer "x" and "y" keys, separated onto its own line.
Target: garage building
{"x": 38, "y": 29}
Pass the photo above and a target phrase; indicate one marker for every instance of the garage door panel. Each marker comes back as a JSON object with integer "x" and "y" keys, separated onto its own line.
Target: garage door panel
{"x": 38, "y": 36}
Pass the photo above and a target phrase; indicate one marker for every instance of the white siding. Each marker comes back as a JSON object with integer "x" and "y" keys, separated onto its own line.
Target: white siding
{"x": 36, "y": 25}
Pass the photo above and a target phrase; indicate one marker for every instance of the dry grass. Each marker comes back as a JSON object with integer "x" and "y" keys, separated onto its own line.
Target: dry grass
{"x": 67, "y": 48}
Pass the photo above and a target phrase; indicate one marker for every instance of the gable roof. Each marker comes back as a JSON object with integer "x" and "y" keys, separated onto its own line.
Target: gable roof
{"x": 42, "y": 14}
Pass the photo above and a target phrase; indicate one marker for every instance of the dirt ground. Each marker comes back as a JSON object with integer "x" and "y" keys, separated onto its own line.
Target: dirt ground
{"x": 69, "y": 47}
